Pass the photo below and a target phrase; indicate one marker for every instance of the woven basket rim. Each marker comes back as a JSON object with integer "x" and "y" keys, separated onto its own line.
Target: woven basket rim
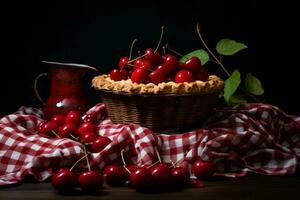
{"x": 157, "y": 95}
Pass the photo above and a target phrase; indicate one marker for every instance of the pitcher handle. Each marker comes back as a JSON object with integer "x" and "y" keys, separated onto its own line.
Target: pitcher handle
{"x": 37, "y": 94}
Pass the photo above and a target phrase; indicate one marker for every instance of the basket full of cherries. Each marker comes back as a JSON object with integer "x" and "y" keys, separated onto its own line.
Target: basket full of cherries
{"x": 159, "y": 91}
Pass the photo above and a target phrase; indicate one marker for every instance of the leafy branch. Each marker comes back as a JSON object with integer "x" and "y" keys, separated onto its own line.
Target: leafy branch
{"x": 233, "y": 93}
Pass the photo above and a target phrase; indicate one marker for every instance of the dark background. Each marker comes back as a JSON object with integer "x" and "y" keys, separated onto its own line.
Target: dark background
{"x": 98, "y": 33}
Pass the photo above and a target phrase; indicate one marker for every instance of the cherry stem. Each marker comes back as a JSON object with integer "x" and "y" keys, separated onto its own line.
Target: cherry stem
{"x": 178, "y": 161}
{"x": 122, "y": 157}
{"x": 158, "y": 156}
{"x": 124, "y": 163}
{"x": 153, "y": 164}
{"x": 87, "y": 159}
{"x": 132, "y": 44}
{"x": 55, "y": 133}
{"x": 173, "y": 164}
{"x": 164, "y": 49}
{"x": 172, "y": 50}
{"x": 160, "y": 38}
{"x": 209, "y": 51}
{"x": 75, "y": 138}
{"x": 77, "y": 162}
{"x": 130, "y": 61}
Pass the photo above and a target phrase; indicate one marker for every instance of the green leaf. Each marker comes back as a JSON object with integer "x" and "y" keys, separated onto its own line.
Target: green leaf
{"x": 228, "y": 47}
{"x": 253, "y": 85}
{"x": 231, "y": 85}
{"x": 200, "y": 53}
{"x": 237, "y": 100}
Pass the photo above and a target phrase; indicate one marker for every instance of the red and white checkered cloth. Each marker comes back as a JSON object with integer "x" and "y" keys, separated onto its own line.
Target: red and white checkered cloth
{"x": 255, "y": 138}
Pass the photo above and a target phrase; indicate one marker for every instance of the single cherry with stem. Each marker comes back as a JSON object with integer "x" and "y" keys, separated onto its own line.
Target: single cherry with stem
{"x": 160, "y": 172}
{"x": 90, "y": 181}
{"x": 65, "y": 180}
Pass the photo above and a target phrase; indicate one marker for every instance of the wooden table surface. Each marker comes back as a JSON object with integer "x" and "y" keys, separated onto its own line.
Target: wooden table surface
{"x": 254, "y": 187}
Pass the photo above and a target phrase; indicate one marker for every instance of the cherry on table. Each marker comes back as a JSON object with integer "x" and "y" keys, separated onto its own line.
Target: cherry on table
{"x": 90, "y": 181}
{"x": 141, "y": 179}
{"x": 115, "y": 175}
{"x": 64, "y": 181}
{"x": 180, "y": 176}
{"x": 161, "y": 174}
{"x": 203, "y": 169}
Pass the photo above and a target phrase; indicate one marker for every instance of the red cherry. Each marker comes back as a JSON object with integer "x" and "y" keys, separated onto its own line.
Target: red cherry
{"x": 138, "y": 63}
{"x": 153, "y": 56}
{"x": 184, "y": 76}
{"x": 193, "y": 64}
{"x": 124, "y": 74}
{"x": 180, "y": 176}
{"x": 141, "y": 179}
{"x": 170, "y": 63}
{"x": 132, "y": 168}
{"x": 157, "y": 76}
{"x": 90, "y": 181}
{"x": 116, "y": 75}
{"x": 203, "y": 169}
{"x": 41, "y": 126}
{"x": 123, "y": 62}
{"x": 140, "y": 75}
{"x": 161, "y": 174}
{"x": 64, "y": 181}
{"x": 88, "y": 137}
{"x": 58, "y": 119}
{"x": 67, "y": 130}
{"x": 202, "y": 75}
{"x": 86, "y": 127}
{"x": 91, "y": 118}
{"x": 146, "y": 64}
{"x": 73, "y": 117}
{"x": 100, "y": 143}
{"x": 115, "y": 175}
{"x": 48, "y": 128}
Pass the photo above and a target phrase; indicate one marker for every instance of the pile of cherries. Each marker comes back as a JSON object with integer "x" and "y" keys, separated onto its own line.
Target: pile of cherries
{"x": 155, "y": 68}
{"x": 160, "y": 176}
{"x": 72, "y": 126}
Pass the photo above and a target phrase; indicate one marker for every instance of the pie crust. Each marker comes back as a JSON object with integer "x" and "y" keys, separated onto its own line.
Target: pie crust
{"x": 212, "y": 85}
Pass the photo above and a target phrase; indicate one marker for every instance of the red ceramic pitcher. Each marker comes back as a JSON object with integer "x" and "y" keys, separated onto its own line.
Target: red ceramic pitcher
{"x": 66, "y": 88}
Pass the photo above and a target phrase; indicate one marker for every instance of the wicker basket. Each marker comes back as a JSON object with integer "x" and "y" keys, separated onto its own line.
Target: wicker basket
{"x": 159, "y": 112}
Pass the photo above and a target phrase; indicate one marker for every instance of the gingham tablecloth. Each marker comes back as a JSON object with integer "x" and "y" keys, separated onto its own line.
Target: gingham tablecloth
{"x": 255, "y": 138}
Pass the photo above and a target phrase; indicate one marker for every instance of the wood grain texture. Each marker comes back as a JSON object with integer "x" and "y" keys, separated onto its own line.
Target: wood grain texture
{"x": 258, "y": 187}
